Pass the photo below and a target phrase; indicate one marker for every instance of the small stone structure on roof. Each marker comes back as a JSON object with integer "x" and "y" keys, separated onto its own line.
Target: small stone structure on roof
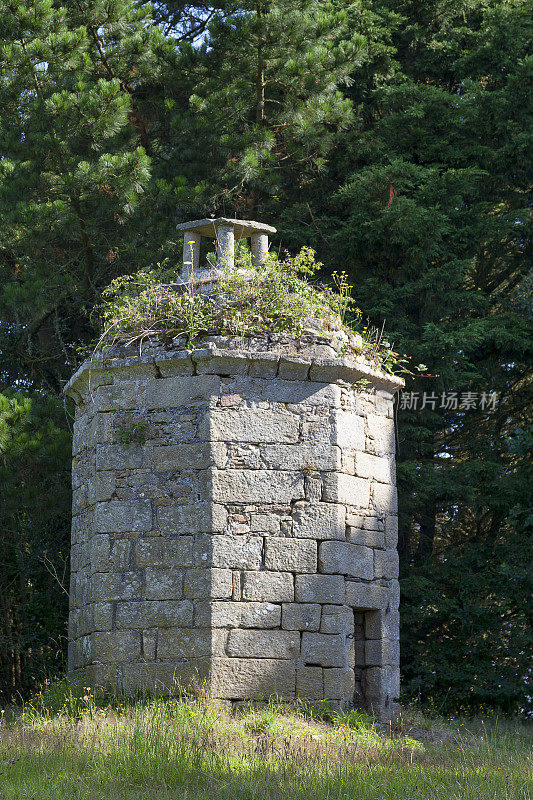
{"x": 225, "y": 231}
{"x": 246, "y": 536}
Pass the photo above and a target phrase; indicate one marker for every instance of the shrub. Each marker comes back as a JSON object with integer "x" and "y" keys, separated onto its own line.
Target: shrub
{"x": 276, "y": 297}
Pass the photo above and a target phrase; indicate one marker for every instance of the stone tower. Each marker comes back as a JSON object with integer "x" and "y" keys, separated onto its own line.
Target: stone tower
{"x": 235, "y": 515}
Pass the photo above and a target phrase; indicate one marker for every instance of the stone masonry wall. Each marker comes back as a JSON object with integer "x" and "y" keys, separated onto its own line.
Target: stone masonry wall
{"x": 246, "y": 534}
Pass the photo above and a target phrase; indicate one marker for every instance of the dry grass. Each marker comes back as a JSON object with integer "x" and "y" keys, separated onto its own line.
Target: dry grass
{"x": 195, "y": 749}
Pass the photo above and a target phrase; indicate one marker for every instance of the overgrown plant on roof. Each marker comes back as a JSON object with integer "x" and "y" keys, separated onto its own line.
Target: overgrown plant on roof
{"x": 278, "y": 297}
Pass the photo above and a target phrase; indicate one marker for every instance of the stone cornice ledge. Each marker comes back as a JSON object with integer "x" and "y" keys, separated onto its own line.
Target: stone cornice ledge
{"x": 221, "y": 361}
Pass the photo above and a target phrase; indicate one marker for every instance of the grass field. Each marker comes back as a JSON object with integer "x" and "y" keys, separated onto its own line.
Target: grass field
{"x": 64, "y": 746}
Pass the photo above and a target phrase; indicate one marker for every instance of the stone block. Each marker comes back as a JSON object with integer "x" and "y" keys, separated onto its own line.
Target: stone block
{"x": 119, "y": 456}
{"x": 221, "y": 362}
{"x": 265, "y": 523}
{"x": 202, "y": 517}
{"x": 182, "y": 457}
{"x": 365, "y": 538}
{"x": 253, "y": 426}
{"x": 342, "y": 488}
{"x": 123, "y": 516}
{"x": 185, "y": 643}
{"x": 163, "y": 583}
{"x": 328, "y": 367}
{"x": 264, "y": 365}
{"x": 208, "y": 583}
{"x": 367, "y": 596}
{"x": 380, "y": 434}
{"x": 382, "y": 625}
{"x": 384, "y": 499}
{"x": 236, "y": 552}
{"x": 381, "y": 684}
{"x": 386, "y": 564}
{"x": 179, "y": 364}
{"x": 349, "y": 431}
{"x": 149, "y": 644}
{"x": 102, "y": 429}
{"x": 324, "y": 650}
{"x": 382, "y": 652}
{"x": 102, "y": 616}
{"x": 109, "y": 586}
{"x": 310, "y": 683}
{"x": 308, "y": 393}
{"x": 377, "y": 468}
{"x": 319, "y": 521}
{"x": 175, "y": 392}
{"x": 256, "y": 486}
{"x": 168, "y": 676}
{"x": 301, "y": 456}
{"x": 101, "y": 487}
{"x": 393, "y": 588}
{"x": 123, "y": 396}
{"x": 253, "y": 678}
{"x": 80, "y": 499}
{"x": 165, "y": 552}
{"x": 346, "y": 559}
{"x": 339, "y": 684}
{"x": 313, "y": 487}
{"x": 107, "y": 554}
{"x": 319, "y": 589}
{"x": 391, "y": 531}
{"x": 246, "y": 643}
{"x": 275, "y": 587}
{"x": 154, "y": 614}
{"x": 337, "y": 619}
{"x": 228, "y": 614}
{"x": 293, "y": 368}
{"x": 290, "y": 555}
{"x": 371, "y": 523}
{"x": 355, "y": 520}
{"x": 237, "y": 456}
{"x": 110, "y": 646}
{"x": 300, "y": 616}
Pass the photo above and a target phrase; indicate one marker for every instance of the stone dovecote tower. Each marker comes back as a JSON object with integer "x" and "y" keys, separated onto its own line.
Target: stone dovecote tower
{"x": 246, "y": 534}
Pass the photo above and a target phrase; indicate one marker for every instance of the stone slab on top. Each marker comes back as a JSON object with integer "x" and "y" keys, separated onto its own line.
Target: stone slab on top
{"x": 243, "y": 228}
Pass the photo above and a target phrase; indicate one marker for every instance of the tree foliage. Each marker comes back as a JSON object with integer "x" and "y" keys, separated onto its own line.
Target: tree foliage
{"x": 34, "y": 542}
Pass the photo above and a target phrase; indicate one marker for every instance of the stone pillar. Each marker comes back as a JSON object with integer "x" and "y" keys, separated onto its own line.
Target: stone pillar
{"x": 225, "y": 245}
{"x": 247, "y": 532}
{"x": 191, "y": 253}
{"x": 259, "y": 246}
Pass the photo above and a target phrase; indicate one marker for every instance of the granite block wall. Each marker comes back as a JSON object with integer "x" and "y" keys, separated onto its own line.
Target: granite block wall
{"x": 235, "y": 522}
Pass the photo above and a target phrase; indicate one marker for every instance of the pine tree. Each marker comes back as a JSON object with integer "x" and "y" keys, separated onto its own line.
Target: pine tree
{"x": 265, "y": 100}
{"x": 434, "y": 225}
{"x": 74, "y": 167}
{"x": 35, "y": 500}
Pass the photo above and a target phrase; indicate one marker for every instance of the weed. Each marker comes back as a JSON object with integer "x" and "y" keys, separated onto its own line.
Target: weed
{"x": 277, "y": 297}
{"x": 134, "y": 432}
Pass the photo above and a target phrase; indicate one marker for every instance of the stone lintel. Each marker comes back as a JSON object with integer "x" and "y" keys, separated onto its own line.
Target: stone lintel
{"x": 243, "y": 228}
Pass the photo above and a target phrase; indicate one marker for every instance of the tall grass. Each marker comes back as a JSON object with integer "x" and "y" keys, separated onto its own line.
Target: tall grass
{"x": 77, "y": 747}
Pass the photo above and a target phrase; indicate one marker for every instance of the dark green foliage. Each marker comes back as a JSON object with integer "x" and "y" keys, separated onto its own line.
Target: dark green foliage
{"x": 74, "y": 167}
{"x": 35, "y": 539}
{"x": 434, "y": 221}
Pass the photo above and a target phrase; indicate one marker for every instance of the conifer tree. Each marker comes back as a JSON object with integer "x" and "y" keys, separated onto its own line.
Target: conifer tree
{"x": 434, "y": 216}
{"x": 74, "y": 167}
{"x": 266, "y": 100}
